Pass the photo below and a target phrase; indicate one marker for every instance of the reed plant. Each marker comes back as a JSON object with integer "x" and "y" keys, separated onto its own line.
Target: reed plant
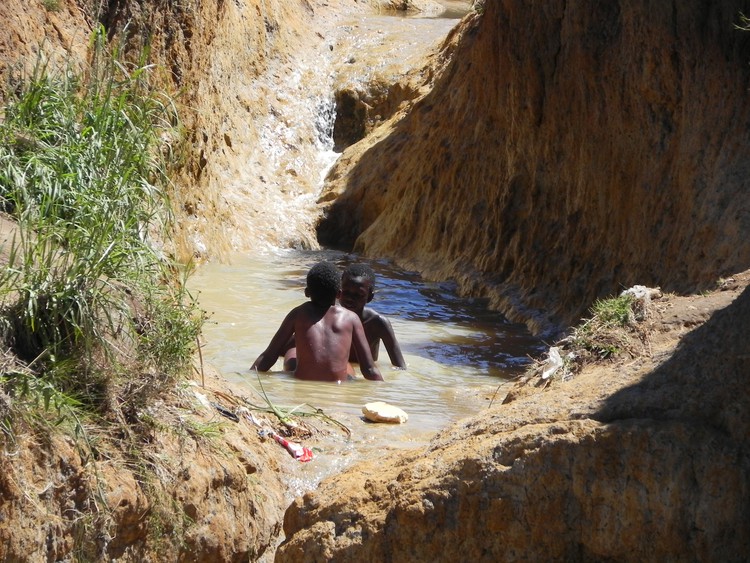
{"x": 88, "y": 293}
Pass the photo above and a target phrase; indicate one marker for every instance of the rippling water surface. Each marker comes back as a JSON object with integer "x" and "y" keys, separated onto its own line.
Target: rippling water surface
{"x": 458, "y": 353}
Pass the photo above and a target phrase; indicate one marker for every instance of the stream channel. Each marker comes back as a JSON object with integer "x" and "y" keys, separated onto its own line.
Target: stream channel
{"x": 460, "y": 356}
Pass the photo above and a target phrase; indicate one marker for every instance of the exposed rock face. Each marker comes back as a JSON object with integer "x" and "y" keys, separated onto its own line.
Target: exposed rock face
{"x": 567, "y": 150}
{"x": 31, "y": 34}
{"x": 186, "y": 497}
{"x": 371, "y": 84}
{"x": 620, "y": 464}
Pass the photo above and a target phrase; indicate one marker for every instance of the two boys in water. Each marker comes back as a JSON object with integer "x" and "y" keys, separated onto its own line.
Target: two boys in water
{"x": 319, "y": 338}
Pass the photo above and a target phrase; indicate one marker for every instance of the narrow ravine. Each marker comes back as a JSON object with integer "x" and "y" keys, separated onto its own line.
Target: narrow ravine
{"x": 271, "y": 183}
{"x": 459, "y": 353}
{"x": 553, "y": 154}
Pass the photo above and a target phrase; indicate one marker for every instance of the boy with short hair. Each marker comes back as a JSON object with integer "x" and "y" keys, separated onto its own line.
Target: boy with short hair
{"x": 323, "y": 332}
{"x": 357, "y": 290}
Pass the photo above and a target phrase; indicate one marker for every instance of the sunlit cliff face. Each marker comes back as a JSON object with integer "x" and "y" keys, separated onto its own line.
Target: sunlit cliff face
{"x": 550, "y": 160}
{"x": 563, "y": 155}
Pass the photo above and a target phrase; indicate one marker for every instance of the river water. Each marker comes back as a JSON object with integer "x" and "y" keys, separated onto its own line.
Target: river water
{"x": 459, "y": 355}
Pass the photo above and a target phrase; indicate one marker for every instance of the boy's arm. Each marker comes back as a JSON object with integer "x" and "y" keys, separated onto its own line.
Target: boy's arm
{"x": 362, "y": 348}
{"x": 277, "y": 346}
{"x": 391, "y": 344}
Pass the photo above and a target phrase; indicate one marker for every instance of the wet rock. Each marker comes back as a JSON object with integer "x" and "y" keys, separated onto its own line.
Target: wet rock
{"x": 622, "y": 464}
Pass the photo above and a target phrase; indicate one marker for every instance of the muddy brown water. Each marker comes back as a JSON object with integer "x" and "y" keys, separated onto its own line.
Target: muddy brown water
{"x": 458, "y": 353}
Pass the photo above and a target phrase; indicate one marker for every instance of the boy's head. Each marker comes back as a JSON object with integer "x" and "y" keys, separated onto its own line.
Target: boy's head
{"x": 323, "y": 283}
{"x": 357, "y": 287}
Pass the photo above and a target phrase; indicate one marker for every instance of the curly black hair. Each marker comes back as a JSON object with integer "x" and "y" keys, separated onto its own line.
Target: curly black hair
{"x": 323, "y": 282}
{"x": 359, "y": 270}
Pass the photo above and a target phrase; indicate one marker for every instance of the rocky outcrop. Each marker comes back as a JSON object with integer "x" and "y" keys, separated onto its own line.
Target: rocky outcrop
{"x": 358, "y": 112}
{"x": 566, "y": 150}
{"x": 193, "y": 487}
{"x": 626, "y": 463}
{"x": 55, "y": 32}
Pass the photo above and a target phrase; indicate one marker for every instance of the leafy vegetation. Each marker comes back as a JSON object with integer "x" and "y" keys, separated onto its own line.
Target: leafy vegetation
{"x": 601, "y": 334}
{"x": 90, "y": 304}
{"x": 615, "y": 327}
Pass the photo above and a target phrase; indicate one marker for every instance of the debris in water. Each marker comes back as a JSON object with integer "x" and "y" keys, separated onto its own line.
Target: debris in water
{"x": 298, "y": 451}
{"x": 383, "y": 412}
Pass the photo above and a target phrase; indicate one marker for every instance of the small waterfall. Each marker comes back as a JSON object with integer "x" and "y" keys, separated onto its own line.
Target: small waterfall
{"x": 274, "y": 193}
{"x": 326, "y": 117}
{"x": 271, "y": 186}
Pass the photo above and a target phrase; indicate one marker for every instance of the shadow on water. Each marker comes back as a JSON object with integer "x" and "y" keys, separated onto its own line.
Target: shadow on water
{"x": 463, "y": 331}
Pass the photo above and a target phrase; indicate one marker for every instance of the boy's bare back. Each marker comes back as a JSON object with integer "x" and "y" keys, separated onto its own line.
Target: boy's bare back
{"x": 323, "y": 332}
{"x": 324, "y": 338}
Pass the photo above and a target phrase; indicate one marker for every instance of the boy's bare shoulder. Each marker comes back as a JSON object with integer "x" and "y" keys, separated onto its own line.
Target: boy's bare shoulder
{"x": 345, "y": 313}
{"x": 372, "y": 317}
{"x": 302, "y": 308}
{"x": 306, "y": 310}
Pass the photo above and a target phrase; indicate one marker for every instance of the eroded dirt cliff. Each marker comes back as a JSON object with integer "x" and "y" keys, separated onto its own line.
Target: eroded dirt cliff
{"x": 565, "y": 152}
{"x": 29, "y": 29}
{"x": 178, "y": 481}
{"x": 640, "y": 459}
{"x": 182, "y": 483}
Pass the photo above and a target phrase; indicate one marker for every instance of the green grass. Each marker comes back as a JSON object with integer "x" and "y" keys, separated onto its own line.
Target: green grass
{"x": 601, "y": 333}
{"x": 96, "y": 323}
{"x": 614, "y": 312}
{"x": 89, "y": 294}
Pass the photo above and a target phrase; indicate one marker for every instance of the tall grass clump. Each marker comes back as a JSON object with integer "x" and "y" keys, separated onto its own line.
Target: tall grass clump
{"x": 87, "y": 294}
